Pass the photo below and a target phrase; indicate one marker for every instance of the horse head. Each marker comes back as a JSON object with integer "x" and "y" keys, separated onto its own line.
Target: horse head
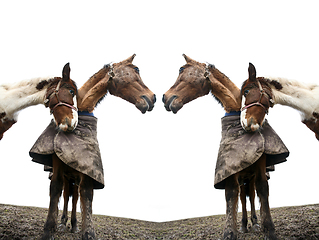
{"x": 125, "y": 82}
{"x": 191, "y": 83}
{"x": 257, "y": 98}
{"x": 61, "y": 98}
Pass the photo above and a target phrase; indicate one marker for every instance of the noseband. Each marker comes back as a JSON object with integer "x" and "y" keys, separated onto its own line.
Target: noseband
{"x": 258, "y": 103}
{"x": 55, "y": 93}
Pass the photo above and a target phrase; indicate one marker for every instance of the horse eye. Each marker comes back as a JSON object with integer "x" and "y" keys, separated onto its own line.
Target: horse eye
{"x": 137, "y": 70}
{"x": 246, "y": 92}
{"x": 72, "y": 92}
{"x": 181, "y": 70}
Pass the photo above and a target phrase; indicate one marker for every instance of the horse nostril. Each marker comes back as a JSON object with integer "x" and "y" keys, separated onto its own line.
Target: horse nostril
{"x": 154, "y": 98}
{"x": 164, "y": 98}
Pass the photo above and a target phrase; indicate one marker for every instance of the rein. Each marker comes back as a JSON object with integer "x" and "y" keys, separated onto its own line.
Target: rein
{"x": 258, "y": 103}
{"x": 55, "y": 93}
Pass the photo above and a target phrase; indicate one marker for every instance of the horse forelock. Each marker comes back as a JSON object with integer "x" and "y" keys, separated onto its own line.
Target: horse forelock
{"x": 242, "y": 86}
{"x": 54, "y": 81}
{"x": 262, "y": 80}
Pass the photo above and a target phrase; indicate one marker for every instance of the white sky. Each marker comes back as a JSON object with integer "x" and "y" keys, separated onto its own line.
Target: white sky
{"x": 158, "y": 166}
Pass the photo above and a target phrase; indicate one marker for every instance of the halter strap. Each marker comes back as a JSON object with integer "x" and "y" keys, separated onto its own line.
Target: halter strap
{"x": 55, "y": 93}
{"x": 64, "y": 104}
{"x": 258, "y": 103}
{"x": 255, "y": 104}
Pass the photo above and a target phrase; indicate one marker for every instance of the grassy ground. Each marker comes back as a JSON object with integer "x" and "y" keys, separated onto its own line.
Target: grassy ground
{"x": 18, "y": 222}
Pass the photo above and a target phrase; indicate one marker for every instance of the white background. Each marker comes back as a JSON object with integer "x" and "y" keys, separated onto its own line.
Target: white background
{"x": 158, "y": 166}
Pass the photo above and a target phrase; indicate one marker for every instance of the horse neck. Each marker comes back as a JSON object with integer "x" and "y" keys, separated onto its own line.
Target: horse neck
{"x": 15, "y": 97}
{"x": 93, "y": 90}
{"x": 302, "y": 97}
{"x": 89, "y": 84}
{"x": 223, "y": 79}
{"x": 226, "y": 91}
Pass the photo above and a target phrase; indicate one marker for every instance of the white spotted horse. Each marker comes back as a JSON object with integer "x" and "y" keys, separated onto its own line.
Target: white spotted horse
{"x": 59, "y": 94}
{"x": 303, "y": 97}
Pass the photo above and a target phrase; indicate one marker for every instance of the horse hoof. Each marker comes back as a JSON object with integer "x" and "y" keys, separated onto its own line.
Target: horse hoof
{"x": 255, "y": 228}
{"x": 243, "y": 230}
{"x": 88, "y": 236}
{"x": 75, "y": 230}
{"x": 271, "y": 236}
{"x": 230, "y": 235}
{"x": 47, "y": 236}
{"x": 62, "y": 228}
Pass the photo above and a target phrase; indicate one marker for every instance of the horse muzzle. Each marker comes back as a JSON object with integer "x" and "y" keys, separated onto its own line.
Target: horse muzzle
{"x": 147, "y": 104}
{"x": 172, "y": 105}
{"x": 68, "y": 124}
{"x": 249, "y": 124}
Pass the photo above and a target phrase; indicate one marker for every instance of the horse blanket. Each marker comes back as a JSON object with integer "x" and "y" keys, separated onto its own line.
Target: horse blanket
{"x": 239, "y": 149}
{"x": 78, "y": 149}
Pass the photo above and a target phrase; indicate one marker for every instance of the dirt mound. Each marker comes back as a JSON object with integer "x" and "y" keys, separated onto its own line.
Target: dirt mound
{"x": 18, "y": 222}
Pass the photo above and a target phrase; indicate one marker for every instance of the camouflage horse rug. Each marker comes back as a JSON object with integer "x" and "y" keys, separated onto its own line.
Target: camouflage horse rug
{"x": 78, "y": 149}
{"x": 239, "y": 149}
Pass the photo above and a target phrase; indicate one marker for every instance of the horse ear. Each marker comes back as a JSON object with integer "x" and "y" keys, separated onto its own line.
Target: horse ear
{"x": 128, "y": 60}
{"x": 188, "y": 59}
{"x": 132, "y": 57}
{"x": 66, "y": 72}
{"x": 252, "y": 72}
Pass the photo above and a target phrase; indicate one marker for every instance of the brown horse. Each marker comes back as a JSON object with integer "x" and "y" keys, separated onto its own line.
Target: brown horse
{"x": 59, "y": 94}
{"x": 198, "y": 79}
{"x": 120, "y": 79}
{"x": 300, "y": 96}
{"x": 195, "y": 80}
{"x": 257, "y": 98}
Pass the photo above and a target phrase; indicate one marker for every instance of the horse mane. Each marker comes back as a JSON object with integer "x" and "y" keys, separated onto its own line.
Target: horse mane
{"x": 218, "y": 100}
{"x": 226, "y": 93}
{"x": 100, "y": 100}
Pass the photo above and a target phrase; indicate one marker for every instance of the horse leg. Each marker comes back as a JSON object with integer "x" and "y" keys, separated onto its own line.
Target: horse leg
{"x": 244, "y": 220}
{"x": 86, "y": 196}
{"x": 56, "y": 187}
{"x": 255, "y": 227}
{"x": 66, "y": 195}
{"x": 74, "y": 203}
{"x": 231, "y": 194}
{"x": 262, "y": 188}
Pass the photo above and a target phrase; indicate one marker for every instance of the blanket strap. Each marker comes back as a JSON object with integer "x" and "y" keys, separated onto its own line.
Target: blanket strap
{"x": 85, "y": 113}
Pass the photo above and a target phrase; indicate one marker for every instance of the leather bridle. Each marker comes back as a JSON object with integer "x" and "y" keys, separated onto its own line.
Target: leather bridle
{"x": 258, "y": 103}
{"x": 55, "y": 93}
